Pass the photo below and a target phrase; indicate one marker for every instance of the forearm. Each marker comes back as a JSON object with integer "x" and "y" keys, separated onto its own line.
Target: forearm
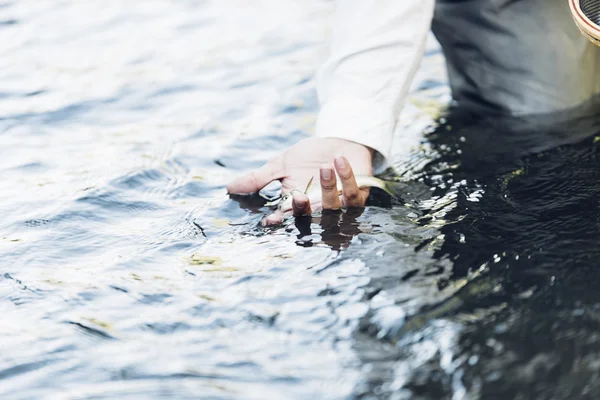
{"x": 376, "y": 49}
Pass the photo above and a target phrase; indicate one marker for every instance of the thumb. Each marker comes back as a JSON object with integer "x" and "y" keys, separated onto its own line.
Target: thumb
{"x": 256, "y": 180}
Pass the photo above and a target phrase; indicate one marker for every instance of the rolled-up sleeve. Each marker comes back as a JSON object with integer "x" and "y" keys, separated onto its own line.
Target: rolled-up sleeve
{"x": 375, "y": 51}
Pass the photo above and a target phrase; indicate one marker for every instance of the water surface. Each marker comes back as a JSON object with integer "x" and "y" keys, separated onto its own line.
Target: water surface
{"x": 127, "y": 272}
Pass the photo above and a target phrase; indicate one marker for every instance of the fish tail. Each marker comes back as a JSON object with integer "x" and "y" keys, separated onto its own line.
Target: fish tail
{"x": 393, "y": 188}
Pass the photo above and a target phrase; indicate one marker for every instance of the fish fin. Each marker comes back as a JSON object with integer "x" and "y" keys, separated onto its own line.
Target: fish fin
{"x": 309, "y": 185}
{"x": 386, "y": 186}
{"x": 393, "y": 188}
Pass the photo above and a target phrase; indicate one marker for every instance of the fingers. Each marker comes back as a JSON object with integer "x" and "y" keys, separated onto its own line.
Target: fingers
{"x": 300, "y": 208}
{"x": 329, "y": 192}
{"x": 274, "y": 219}
{"x": 301, "y": 205}
{"x": 255, "y": 180}
{"x": 352, "y": 196}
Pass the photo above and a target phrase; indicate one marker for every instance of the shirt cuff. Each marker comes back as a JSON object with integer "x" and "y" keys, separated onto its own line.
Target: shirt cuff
{"x": 361, "y": 122}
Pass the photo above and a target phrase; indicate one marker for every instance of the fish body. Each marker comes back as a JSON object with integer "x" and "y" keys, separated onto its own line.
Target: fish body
{"x": 313, "y": 191}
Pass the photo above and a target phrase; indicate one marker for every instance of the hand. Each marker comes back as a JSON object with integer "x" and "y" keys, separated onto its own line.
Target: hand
{"x": 312, "y": 158}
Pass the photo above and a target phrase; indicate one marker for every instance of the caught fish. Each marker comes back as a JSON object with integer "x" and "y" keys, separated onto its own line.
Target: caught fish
{"x": 313, "y": 190}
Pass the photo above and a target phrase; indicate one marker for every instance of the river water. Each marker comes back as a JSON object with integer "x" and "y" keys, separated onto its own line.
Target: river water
{"x": 127, "y": 272}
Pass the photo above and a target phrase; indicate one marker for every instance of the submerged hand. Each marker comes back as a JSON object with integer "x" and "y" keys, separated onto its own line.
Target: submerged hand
{"x": 312, "y": 158}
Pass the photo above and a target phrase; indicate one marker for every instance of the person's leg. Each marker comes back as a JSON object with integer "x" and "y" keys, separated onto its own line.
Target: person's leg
{"x": 516, "y": 56}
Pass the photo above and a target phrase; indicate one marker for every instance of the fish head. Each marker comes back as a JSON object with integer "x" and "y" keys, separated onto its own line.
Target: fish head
{"x": 285, "y": 204}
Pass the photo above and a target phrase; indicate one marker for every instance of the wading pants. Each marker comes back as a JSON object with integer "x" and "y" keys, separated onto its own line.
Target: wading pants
{"x": 517, "y": 56}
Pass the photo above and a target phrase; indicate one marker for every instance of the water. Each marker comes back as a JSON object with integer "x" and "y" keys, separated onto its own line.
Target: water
{"x": 128, "y": 273}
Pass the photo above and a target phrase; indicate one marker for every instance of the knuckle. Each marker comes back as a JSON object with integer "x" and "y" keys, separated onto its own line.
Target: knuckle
{"x": 352, "y": 196}
{"x": 329, "y": 186}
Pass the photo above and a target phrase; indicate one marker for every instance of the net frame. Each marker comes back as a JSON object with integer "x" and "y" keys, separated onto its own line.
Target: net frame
{"x": 586, "y": 14}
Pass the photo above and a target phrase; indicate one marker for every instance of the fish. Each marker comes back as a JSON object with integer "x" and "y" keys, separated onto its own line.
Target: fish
{"x": 313, "y": 190}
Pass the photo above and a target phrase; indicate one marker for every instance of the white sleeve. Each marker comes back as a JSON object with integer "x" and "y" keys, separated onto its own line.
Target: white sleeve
{"x": 376, "y": 48}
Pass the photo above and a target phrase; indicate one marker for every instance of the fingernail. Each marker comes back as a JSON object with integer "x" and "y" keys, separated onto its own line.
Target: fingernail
{"x": 340, "y": 161}
{"x": 300, "y": 203}
{"x": 325, "y": 172}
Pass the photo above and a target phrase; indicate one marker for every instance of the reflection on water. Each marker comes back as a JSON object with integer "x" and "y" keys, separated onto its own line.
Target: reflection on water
{"x": 128, "y": 273}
